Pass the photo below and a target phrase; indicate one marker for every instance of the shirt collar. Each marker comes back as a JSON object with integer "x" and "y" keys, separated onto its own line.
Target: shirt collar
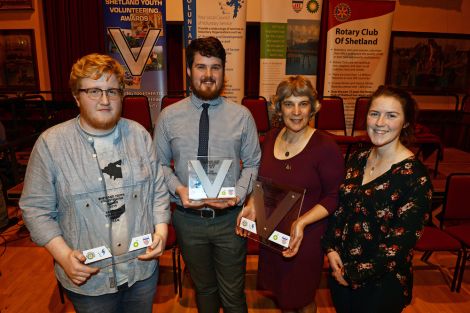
{"x": 198, "y": 102}
{"x": 89, "y": 137}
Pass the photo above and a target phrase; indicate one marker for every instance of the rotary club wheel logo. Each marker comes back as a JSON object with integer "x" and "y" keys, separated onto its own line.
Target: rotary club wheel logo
{"x": 342, "y": 12}
{"x": 90, "y": 255}
{"x": 313, "y": 6}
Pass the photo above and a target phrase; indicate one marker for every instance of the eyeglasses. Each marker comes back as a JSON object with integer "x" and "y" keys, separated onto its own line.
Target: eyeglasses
{"x": 96, "y": 93}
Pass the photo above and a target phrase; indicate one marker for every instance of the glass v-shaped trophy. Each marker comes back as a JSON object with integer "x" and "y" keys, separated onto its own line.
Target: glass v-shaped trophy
{"x": 211, "y": 179}
{"x": 277, "y": 206}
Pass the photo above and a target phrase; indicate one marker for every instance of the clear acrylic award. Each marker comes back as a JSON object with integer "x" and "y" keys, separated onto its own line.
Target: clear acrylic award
{"x": 277, "y": 206}
{"x": 211, "y": 179}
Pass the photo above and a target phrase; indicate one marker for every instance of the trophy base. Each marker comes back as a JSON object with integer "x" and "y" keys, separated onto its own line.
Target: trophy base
{"x": 276, "y": 241}
{"x": 266, "y": 242}
{"x": 213, "y": 200}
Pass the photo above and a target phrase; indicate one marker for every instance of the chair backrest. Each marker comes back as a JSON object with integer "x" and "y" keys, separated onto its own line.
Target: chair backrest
{"x": 252, "y": 247}
{"x": 360, "y": 115}
{"x": 136, "y": 108}
{"x": 456, "y": 205}
{"x": 168, "y": 100}
{"x": 258, "y": 107}
{"x": 439, "y": 100}
{"x": 331, "y": 115}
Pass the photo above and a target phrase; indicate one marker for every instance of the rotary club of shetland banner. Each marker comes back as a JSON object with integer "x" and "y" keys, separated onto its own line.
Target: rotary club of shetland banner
{"x": 225, "y": 20}
{"x": 134, "y": 32}
{"x": 357, "y": 49}
{"x": 290, "y": 32}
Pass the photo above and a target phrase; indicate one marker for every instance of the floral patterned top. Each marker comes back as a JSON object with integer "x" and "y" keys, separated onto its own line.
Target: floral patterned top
{"x": 377, "y": 224}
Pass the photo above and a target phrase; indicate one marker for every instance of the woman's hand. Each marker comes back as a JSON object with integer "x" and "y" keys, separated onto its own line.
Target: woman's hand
{"x": 296, "y": 236}
{"x": 337, "y": 267}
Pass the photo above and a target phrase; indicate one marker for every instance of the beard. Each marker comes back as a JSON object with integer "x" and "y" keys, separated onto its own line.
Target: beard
{"x": 208, "y": 94}
{"x": 100, "y": 122}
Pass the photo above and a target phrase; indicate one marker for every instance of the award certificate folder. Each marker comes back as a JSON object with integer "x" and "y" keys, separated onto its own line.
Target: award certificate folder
{"x": 211, "y": 178}
{"x": 277, "y": 206}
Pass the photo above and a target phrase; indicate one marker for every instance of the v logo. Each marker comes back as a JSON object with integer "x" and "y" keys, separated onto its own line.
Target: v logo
{"x": 266, "y": 226}
{"x": 211, "y": 189}
{"x": 135, "y": 63}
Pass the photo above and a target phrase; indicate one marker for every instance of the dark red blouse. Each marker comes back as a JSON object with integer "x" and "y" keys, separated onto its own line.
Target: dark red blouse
{"x": 319, "y": 168}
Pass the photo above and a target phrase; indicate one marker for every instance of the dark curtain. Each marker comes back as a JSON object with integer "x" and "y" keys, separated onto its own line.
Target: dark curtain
{"x": 174, "y": 44}
{"x": 74, "y": 28}
{"x": 252, "y": 58}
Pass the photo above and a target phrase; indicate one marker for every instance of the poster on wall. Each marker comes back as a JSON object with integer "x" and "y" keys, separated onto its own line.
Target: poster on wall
{"x": 358, "y": 38}
{"x": 135, "y": 36}
{"x": 225, "y": 20}
{"x": 290, "y": 32}
{"x": 430, "y": 62}
{"x": 18, "y": 64}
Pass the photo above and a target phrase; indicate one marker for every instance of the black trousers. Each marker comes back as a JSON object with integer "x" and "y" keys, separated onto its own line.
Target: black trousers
{"x": 385, "y": 297}
{"x": 216, "y": 258}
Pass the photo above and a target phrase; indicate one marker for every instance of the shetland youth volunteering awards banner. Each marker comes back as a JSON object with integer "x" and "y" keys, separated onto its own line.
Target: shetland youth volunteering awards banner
{"x": 290, "y": 30}
{"x": 357, "y": 49}
{"x": 225, "y": 20}
{"x": 134, "y": 31}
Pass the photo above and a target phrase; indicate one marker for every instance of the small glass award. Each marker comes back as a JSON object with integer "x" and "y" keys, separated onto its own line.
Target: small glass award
{"x": 277, "y": 206}
{"x": 211, "y": 179}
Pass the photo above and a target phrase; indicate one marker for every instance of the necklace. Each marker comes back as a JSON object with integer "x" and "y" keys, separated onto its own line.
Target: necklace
{"x": 372, "y": 166}
{"x": 294, "y": 144}
{"x": 286, "y": 145}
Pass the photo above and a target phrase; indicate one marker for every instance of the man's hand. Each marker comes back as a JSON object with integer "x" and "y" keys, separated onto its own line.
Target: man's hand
{"x": 337, "y": 267}
{"x": 248, "y": 212}
{"x": 183, "y": 193}
{"x": 73, "y": 266}
{"x": 157, "y": 247}
{"x": 219, "y": 205}
{"x": 72, "y": 261}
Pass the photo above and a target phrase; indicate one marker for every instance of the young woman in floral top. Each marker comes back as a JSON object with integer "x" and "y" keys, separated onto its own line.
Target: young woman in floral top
{"x": 385, "y": 200}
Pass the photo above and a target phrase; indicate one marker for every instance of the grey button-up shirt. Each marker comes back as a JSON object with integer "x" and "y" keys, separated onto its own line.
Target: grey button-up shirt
{"x": 63, "y": 188}
{"x": 232, "y": 134}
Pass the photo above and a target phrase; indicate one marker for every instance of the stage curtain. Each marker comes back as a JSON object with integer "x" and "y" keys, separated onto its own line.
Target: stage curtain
{"x": 252, "y": 55}
{"x": 176, "y": 69}
{"x": 74, "y": 28}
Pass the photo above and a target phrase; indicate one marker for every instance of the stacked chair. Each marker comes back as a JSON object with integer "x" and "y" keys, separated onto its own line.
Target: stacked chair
{"x": 331, "y": 119}
{"x": 258, "y": 107}
{"x": 453, "y": 234}
{"x": 136, "y": 108}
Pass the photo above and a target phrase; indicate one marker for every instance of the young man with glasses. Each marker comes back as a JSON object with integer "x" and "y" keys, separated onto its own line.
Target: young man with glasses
{"x": 201, "y": 125}
{"x": 94, "y": 196}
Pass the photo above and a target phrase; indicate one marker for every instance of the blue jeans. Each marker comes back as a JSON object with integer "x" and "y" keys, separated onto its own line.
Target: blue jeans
{"x": 216, "y": 258}
{"x": 137, "y": 298}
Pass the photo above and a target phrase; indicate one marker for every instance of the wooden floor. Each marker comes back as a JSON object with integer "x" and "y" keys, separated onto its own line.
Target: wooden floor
{"x": 27, "y": 282}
